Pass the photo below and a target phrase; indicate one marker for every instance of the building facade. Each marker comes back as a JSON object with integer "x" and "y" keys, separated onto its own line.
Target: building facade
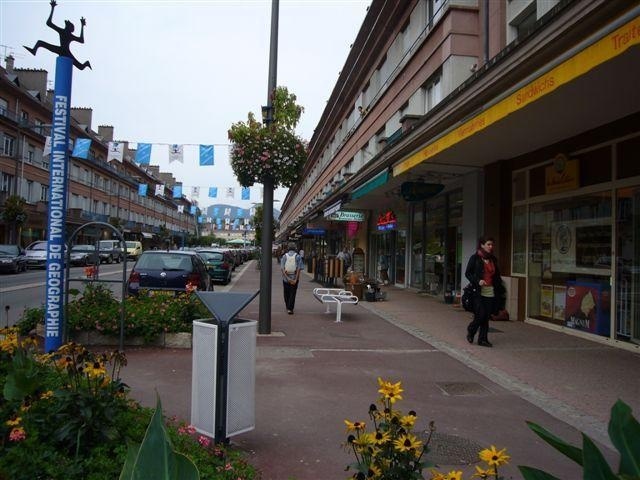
{"x": 517, "y": 119}
{"x": 98, "y": 190}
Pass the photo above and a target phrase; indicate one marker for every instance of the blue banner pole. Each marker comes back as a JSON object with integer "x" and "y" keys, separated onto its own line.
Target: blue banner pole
{"x": 57, "y": 212}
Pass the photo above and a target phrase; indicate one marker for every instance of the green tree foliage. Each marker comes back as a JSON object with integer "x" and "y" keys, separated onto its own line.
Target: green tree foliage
{"x": 14, "y": 215}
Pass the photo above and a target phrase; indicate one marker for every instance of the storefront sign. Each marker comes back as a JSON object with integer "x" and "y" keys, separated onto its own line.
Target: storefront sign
{"x": 346, "y": 216}
{"x": 563, "y": 175}
{"x": 387, "y": 221}
{"x": 332, "y": 209}
{"x": 314, "y": 231}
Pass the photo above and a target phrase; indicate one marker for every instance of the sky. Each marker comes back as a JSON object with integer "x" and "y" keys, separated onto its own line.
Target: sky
{"x": 181, "y": 72}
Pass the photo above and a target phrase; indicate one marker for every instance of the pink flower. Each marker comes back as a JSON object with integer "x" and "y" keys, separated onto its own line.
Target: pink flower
{"x": 228, "y": 467}
{"x": 204, "y": 441}
{"x": 17, "y": 434}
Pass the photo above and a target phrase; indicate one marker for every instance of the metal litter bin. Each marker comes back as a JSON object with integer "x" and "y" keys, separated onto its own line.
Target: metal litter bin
{"x": 223, "y": 373}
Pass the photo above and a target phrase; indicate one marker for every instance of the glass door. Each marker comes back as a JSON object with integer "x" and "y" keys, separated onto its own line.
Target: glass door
{"x": 628, "y": 264}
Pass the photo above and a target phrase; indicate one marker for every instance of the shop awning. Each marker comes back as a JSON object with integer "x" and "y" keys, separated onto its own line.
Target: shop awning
{"x": 147, "y": 235}
{"x": 371, "y": 185}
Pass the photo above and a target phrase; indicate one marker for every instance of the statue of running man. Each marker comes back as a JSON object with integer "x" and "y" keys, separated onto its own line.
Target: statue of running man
{"x": 66, "y": 37}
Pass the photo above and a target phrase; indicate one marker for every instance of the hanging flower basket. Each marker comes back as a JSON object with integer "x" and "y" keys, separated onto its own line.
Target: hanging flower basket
{"x": 274, "y": 151}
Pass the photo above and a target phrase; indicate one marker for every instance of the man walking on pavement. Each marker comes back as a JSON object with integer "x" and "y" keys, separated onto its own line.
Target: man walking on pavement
{"x": 290, "y": 265}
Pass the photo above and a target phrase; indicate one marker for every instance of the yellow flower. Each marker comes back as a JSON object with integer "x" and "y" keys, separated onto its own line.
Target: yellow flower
{"x": 390, "y": 390}
{"x": 483, "y": 474}
{"x": 46, "y": 395}
{"x": 374, "y": 471}
{"x": 365, "y": 440}
{"x": 382, "y": 438}
{"x": 95, "y": 369}
{"x": 14, "y": 422}
{"x": 453, "y": 475}
{"x": 436, "y": 475}
{"x": 406, "y": 442}
{"x": 494, "y": 457}
{"x": 408, "y": 421}
{"x": 354, "y": 426}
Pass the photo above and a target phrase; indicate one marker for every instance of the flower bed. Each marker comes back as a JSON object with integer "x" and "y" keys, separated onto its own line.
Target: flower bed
{"x": 67, "y": 415}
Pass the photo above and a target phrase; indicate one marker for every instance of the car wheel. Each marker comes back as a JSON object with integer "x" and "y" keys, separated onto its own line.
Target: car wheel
{"x": 110, "y": 260}
{"x": 16, "y": 269}
{"x": 118, "y": 259}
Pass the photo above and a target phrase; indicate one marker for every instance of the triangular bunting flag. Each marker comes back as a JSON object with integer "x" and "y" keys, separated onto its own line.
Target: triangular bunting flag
{"x": 213, "y": 192}
{"x": 246, "y": 193}
{"x": 177, "y": 191}
{"x": 116, "y": 151}
{"x": 195, "y": 191}
{"x": 142, "y": 189}
{"x": 159, "y": 189}
{"x": 180, "y": 208}
{"x": 176, "y": 153}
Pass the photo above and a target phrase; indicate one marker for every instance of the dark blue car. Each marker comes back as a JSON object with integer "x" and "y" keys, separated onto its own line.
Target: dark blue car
{"x": 168, "y": 270}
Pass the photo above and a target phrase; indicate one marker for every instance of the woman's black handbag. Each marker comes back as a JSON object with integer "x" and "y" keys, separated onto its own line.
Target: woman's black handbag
{"x": 468, "y": 295}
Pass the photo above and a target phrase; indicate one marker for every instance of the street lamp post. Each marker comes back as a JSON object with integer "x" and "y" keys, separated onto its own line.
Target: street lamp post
{"x": 264, "y": 318}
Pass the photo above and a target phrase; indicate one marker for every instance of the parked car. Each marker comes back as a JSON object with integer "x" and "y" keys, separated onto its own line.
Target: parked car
{"x": 134, "y": 249}
{"x": 12, "y": 259}
{"x": 110, "y": 251}
{"x": 168, "y": 270}
{"x": 84, "y": 255}
{"x": 219, "y": 264}
{"x": 36, "y": 254}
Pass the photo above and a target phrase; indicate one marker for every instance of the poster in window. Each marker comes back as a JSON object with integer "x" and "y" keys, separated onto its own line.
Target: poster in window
{"x": 546, "y": 300}
{"x": 559, "y": 302}
{"x": 588, "y": 307}
{"x": 581, "y": 246}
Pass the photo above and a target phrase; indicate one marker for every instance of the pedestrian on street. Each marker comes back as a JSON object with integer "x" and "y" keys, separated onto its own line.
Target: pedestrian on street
{"x": 482, "y": 272}
{"x": 290, "y": 265}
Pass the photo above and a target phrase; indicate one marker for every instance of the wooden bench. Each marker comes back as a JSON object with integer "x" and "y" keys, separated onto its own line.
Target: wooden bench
{"x": 337, "y": 296}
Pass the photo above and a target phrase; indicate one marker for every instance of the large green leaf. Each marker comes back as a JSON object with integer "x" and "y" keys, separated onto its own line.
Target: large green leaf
{"x": 130, "y": 461}
{"x": 529, "y": 473}
{"x": 23, "y": 377}
{"x": 595, "y": 466}
{"x": 155, "y": 458}
{"x": 574, "y": 453}
{"x": 624, "y": 431}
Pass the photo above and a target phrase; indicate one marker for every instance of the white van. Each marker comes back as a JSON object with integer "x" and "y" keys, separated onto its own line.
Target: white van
{"x": 134, "y": 249}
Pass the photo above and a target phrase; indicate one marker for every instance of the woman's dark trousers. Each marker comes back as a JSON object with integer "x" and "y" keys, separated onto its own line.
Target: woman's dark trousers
{"x": 484, "y": 307}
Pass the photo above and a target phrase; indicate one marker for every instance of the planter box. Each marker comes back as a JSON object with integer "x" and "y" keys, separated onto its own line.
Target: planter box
{"x": 167, "y": 340}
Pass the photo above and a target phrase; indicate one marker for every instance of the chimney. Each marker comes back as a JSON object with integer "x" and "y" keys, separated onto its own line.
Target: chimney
{"x": 32, "y": 79}
{"x": 82, "y": 115}
{"x": 8, "y": 61}
{"x": 106, "y": 132}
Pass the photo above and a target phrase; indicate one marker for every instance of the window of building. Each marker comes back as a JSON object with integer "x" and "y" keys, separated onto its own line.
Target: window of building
{"x": 29, "y": 190}
{"x": 435, "y": 11}
{"x": 7, "y": 183}
{"x": 31, "y": 153}
{"x": 44, "y": 193}
{"x": 8, "y": 145}
{"x": 433, "y": 92}
{"x": 4, "y": 107}
{"x": 24, "y": 116}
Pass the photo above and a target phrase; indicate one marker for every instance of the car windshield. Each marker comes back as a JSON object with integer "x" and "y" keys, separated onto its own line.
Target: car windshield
{"x": 164, "y": 261}
{"x": 83, "y": 248}
{"x": 131, "y": 245}
{"x": 211, "y": 256}
{"x": 38, "y": 246}
{"x": 108, "y": 244}
{"x": 9, "y": 250}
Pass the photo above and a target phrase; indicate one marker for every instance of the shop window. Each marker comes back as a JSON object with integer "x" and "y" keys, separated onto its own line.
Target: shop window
{"x": 519, "y": 247}
{"x": 569, "y": 262}
{"x": 628, "y": 158}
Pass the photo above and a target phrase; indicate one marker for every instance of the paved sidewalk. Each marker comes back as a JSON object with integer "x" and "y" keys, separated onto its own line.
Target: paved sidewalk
{"x": 313, "y": 373}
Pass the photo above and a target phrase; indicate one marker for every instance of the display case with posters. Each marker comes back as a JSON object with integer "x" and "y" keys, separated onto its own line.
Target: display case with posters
{"x": 588, "y": 307}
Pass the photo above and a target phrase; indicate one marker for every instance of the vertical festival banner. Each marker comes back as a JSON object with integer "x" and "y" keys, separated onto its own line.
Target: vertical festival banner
{"x": 58, "y": 181}
{"x": 56, "y": 232}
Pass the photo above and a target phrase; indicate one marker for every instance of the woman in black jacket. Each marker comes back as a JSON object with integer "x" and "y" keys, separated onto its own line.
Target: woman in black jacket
{"x": 482, "y": 272}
